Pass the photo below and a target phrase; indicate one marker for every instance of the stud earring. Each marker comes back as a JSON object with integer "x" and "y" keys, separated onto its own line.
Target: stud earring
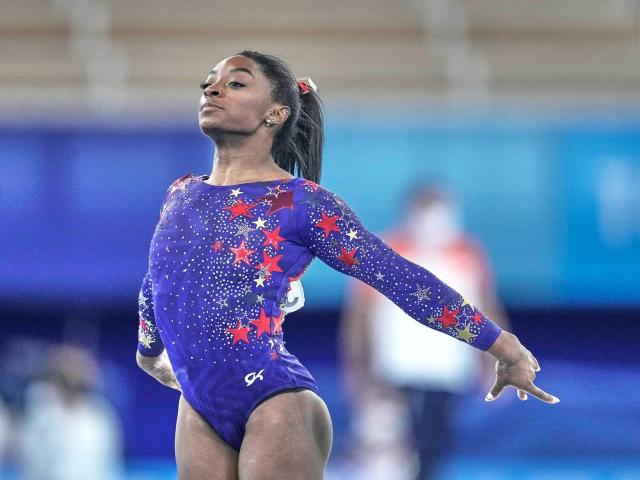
{"x": 268, "y": 123}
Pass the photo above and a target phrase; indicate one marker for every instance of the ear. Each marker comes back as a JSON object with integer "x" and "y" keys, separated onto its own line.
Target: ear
{"x": 279, "y": 114}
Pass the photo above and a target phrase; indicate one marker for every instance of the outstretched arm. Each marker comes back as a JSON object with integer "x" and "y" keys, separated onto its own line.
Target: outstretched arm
{"x": 333, "y": 233}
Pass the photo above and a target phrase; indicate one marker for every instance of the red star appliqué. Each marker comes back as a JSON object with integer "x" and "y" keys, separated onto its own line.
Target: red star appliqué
{"x": 347, "y": 257}
{"x": 477, "y": 318}
{"x": 242, "y": 253}
{"x": 448, "y": 318}
{"x": 279, "y": 201}
{"x": 240, "y": 208}
{"x": 274, "y": 355}
{"x": 217, "y": 246}
{"x": 271, "y": 263}
{"x": 239, "y": 333}
{"x": 263, "y": 324}
{"x": 143, "y": 324}
{"x": 272, "y": 238}
{"x": 328, "y": 223}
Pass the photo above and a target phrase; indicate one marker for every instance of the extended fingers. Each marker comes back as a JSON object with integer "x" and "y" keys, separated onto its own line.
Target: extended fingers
{"x": 541, "y": 394}
{"x": 495, "y": 391}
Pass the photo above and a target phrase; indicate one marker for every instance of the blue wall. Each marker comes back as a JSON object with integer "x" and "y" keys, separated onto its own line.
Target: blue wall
{"x": 557, "y": 207}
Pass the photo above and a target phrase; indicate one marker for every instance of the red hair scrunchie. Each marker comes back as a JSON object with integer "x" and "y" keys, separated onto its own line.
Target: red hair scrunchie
{"x": 305, "y": 85}
{"x": 304, "y": 88}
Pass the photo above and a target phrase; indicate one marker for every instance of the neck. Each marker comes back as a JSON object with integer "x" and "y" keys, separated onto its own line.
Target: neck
{"x": 243, "y": 159}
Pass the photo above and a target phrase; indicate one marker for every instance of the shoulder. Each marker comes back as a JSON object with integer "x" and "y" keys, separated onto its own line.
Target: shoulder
{"x": 180, "y": 183}
{"x": 317, "y": 206}
{"x": 309, "y": 186}
{"x": 183, "y": 179}
{"x": 313, "y": 196}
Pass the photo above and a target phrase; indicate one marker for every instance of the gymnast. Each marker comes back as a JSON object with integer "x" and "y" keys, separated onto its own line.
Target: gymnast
{"x": 225, "y": 263}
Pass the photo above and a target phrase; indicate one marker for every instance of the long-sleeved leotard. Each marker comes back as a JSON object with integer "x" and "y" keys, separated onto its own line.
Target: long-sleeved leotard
{"x": 149, "y": 342}
{"x": 225, "y": 264}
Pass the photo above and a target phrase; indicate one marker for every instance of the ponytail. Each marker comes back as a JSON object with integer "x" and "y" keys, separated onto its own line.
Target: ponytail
{"x": 297, "y": 145}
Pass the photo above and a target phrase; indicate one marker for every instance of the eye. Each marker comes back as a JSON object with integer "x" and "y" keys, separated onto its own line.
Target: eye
{"x": 236, "y": 84}
{"x": 204, "y": 85}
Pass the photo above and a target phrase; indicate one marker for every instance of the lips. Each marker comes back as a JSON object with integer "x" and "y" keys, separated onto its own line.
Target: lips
{"x": 211, "y": 105}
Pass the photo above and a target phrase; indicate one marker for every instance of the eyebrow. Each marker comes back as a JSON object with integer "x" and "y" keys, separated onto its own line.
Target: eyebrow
{"x": 238, "y": 69}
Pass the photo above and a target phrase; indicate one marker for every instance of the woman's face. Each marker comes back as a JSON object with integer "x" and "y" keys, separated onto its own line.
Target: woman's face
{"x": 238, "y": 97}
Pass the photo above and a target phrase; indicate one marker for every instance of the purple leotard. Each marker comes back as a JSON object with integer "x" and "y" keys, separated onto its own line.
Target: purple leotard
{"x": 224, "y": 269}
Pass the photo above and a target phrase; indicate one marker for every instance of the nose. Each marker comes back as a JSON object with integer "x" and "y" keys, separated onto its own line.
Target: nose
{"x": 213, "y": 92}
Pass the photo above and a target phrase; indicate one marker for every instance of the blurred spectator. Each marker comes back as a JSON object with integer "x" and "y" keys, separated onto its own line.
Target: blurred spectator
{"x": 67, "y": 431}
{"x": 402, "y": 377}
{"x": 4, "y": 433}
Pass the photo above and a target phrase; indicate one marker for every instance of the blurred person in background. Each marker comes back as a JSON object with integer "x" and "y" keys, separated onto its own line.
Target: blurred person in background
{"x": 402, "y": 378}
{"x": 5, "y": 425}
{"x": 68, "y": 431}
{"x": 226, "y": 253}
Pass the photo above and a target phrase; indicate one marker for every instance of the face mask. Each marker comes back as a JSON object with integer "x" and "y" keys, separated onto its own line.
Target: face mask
{"x": 435, "y": 225}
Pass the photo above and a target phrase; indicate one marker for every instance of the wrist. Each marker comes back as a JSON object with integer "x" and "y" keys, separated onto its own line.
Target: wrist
{"x": 506, "y": 348}
{"x": 148, "y": 363}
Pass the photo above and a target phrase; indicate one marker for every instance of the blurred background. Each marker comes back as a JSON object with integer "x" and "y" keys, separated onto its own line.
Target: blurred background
{"x": 526, "y": 111}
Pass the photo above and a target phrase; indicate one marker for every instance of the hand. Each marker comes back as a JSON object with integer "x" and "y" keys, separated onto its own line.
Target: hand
{"x": 159, "y": 368}
{"x": 516, "y": 366}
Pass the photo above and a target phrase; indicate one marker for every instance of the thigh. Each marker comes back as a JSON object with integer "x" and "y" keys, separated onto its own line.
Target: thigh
{"x": 287, "y": 436}
{"x": 200, "y": 452}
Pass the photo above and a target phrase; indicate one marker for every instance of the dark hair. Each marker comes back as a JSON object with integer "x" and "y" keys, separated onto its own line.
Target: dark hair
{"x": 297, "y": 145}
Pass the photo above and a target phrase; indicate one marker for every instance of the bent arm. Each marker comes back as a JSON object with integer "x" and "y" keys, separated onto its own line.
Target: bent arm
{"x": 159, "y": 367}
{"x": 149, "y": 341}
{"x": 151, "y": 355}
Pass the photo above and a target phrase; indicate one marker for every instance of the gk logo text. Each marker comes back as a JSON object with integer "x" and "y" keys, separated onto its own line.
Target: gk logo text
{"x": 251, "y": 377}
